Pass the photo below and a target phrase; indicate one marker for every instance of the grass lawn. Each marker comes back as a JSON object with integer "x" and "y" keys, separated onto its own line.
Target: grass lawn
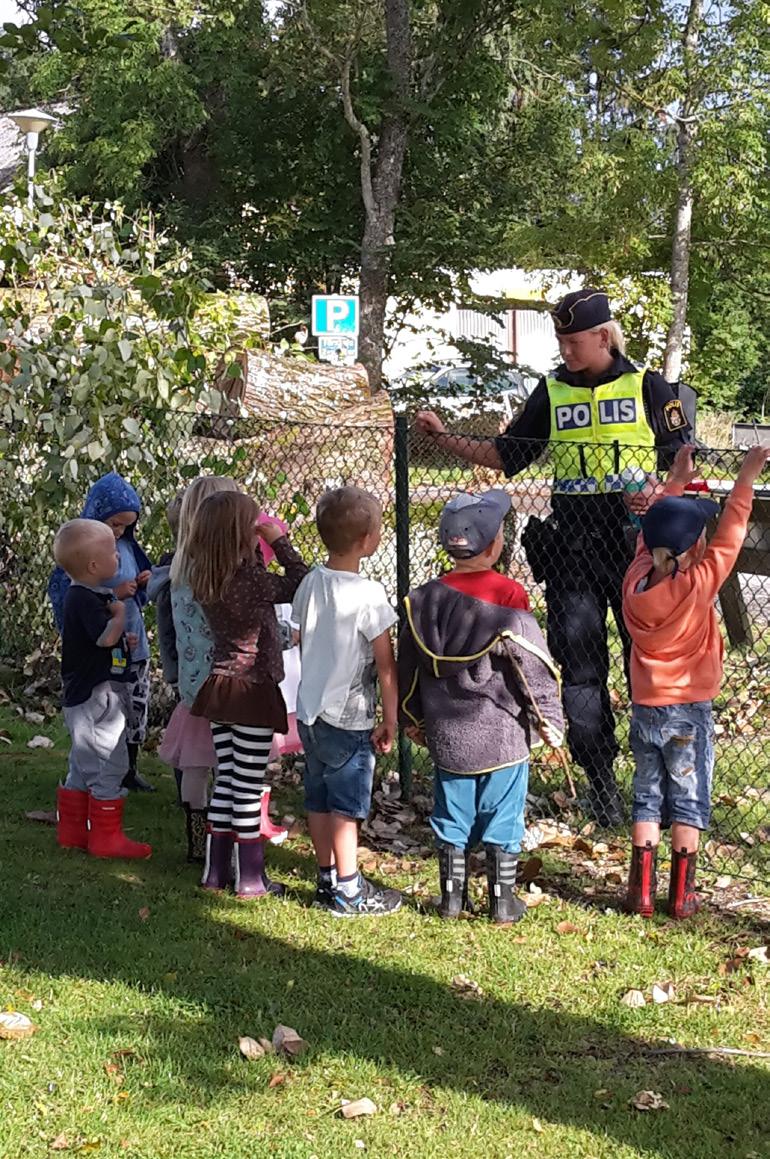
{"x": 140, "y": 986}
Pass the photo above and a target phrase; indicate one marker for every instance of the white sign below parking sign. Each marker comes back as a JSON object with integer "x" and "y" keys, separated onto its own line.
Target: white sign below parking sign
{"x": 342, "y": 350}
{"x": 335, "y": 314}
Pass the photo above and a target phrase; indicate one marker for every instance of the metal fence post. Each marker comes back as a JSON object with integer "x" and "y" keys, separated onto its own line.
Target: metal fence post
{"x": 401, "y": 467}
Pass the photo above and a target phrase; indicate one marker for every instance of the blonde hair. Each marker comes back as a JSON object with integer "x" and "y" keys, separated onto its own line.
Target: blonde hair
{"x": 663, "y": 560}
{"x": 615, "y": 334}
{"x": 199, "y": 490}
{"x": 345, "y": 515}
{"x": 74, "y": 543}
{"x": 220, "y": 539}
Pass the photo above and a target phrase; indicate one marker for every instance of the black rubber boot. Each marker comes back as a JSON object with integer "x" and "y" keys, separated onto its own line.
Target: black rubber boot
{"x": 178, "y": 779}
{"x": 133, "y": 781}
{"x": 605, "y": 803}
{"x": 453, "y": 871}
{"x": 196, "y": 834}
{"x": 504, "y": 906}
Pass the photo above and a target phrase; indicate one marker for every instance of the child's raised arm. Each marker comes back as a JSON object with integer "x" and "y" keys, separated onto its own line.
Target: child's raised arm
{"x": 726, "y": 543}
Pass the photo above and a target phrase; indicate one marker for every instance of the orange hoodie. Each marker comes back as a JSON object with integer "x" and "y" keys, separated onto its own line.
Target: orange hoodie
{"x": 677, "y": 647}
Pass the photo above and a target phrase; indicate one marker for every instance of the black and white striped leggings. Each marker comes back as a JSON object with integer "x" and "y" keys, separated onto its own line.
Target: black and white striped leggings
{"x": 242, "y": 756}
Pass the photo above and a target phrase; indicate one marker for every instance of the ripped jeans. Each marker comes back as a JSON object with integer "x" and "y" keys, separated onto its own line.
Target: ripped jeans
{"x": 673, "y": 749}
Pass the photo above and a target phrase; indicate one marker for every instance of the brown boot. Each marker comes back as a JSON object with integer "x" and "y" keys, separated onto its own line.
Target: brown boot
{"x": 642, "y": 880}
{"x": 683, "y": 901}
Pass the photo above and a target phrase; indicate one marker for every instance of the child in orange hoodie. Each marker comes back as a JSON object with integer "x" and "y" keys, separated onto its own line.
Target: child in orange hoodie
{"x": 676, "y": 671}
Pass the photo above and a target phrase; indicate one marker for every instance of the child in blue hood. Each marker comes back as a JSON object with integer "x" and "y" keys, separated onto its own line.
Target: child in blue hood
{"x": 112, "y": 500}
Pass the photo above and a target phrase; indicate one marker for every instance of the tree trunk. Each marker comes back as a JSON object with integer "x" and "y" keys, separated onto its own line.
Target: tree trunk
{"x": 680, "y": 249}
{"x": 381, "y": 190}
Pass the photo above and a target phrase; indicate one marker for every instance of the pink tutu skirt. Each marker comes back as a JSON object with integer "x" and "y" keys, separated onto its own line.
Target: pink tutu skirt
{"x": 187, "y": 743}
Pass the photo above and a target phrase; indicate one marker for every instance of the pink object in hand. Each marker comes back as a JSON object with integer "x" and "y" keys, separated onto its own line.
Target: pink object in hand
{"x": 267, "y": 552}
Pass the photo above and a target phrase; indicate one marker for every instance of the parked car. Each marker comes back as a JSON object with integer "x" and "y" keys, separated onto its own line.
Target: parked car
{"x": 461, "y": 392}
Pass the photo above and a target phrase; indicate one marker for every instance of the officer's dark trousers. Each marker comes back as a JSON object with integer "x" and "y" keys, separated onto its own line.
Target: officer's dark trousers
{"x": 577, "y": 597}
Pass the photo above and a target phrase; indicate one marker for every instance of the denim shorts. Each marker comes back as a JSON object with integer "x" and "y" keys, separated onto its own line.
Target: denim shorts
{"x": 673, "y": 749}
{"x": 339, "y": 769}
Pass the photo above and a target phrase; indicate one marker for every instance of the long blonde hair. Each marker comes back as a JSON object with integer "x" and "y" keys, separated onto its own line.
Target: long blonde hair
{"x": 615, "y": 334}
{"x": 221, "y": 538}
{"x": 198, "y": 491}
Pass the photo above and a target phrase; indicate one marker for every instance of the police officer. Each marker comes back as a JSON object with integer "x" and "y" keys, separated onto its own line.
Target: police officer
{"x": 600, "y": 415}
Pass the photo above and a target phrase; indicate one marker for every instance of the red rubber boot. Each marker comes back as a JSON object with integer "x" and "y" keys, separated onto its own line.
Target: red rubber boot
{"x": 105, "y": 831}
{"x": 275, "y": 834}
{"x": 683, "y": 901}
{"x": 71, "y": 818}
{"x": 642, "y": 880}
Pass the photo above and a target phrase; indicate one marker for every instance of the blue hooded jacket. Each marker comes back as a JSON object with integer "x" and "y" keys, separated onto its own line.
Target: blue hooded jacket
{"x": 109, "y": 495}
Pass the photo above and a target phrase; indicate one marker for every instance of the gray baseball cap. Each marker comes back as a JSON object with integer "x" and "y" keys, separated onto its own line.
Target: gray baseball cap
{"x": 469, "y": 523}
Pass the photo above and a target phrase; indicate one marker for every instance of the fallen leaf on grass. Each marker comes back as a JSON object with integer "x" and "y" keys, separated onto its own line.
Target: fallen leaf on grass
{"x": 40, "y": 742}
{"x": 534, "y": 896}
{"x": 568, "y": 928}
{"x": 250, "y": 1048}
{"x": 529, "y": 870}
{"x": 34, "y": 718}
{"x": 357, "y": 1108}
{"x": 734, "y": 963}
{"x": 537, "y": 1126}
{"x": 60, "y": 1143}
{"x": 723, "y": 882}
{"x": 14, "y": 1025}
{"x": 276, "y": 1081}
{"x": 144, "y": 913}
{"x": 648, "y": 1101}
{"x": 663, "y": 992}
{"x": 634, "y": 998}
{"x": 466, "y": 987}
{"x": 397, "y": 1108}
{"x": 5, "y": 736}
{"x": 760, "y": 954}
{"x": 438, "y": 1051}
{"x": 42, "y": 816}
{"x": 287, "y": 1041}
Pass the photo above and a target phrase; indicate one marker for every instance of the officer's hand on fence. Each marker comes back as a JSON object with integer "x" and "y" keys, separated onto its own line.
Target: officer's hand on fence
{"x": 269, "y": 530}
{"x": 753, "y": 465}
{"x": 683, "y": 467}
{"x": 143, "y": 578}
{"x": 551, "y": 735}
{"x": 639, "y": 502}
{"x": 382, "y": 737}
{"x": 126, "y": 590}
{"x": 428, "y": 423}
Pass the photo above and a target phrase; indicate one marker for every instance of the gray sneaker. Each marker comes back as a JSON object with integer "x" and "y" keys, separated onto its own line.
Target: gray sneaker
{"x": 368, "y": 902}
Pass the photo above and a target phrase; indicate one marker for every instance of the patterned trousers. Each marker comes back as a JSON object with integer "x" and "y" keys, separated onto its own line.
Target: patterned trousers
{"x": 137, "y": 701}
{"x": 242, "y": 755}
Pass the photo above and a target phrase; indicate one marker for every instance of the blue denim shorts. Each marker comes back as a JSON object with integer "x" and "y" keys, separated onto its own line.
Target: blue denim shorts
{"x": 673, "y": 749}
{"x": 339, "y": 769}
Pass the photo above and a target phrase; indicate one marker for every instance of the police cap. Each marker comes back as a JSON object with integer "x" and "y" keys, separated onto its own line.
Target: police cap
{"x": 581, "y": 310}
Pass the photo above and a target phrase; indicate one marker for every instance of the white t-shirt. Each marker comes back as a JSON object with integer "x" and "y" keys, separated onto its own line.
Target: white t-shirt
{"x": 339, "y": 614}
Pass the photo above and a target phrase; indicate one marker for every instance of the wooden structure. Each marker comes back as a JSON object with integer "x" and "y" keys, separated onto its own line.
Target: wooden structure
{"x": 753, "y": 560}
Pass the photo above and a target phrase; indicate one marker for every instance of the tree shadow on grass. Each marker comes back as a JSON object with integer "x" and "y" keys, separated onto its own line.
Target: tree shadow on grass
{"x": 76, "y": 917}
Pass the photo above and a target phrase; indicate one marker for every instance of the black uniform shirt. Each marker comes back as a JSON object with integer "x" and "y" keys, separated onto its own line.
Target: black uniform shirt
{"x": 526, "y": 437}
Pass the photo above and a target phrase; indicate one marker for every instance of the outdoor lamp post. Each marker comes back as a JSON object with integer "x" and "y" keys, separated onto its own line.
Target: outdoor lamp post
{"x": 32, "y": 122}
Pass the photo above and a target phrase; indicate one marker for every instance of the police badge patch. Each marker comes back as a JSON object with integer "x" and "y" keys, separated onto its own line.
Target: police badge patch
{"x": 673, "y": 415}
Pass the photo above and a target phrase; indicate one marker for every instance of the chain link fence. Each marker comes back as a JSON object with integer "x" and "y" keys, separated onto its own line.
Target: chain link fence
{"x": 287, "y": 465}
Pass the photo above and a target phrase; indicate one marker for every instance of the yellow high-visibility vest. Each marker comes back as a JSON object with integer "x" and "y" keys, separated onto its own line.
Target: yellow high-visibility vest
{"x": 596, "y": 434}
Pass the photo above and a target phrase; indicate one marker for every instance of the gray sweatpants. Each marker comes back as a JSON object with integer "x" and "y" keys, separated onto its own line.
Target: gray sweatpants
{"x": 98, "y": 759}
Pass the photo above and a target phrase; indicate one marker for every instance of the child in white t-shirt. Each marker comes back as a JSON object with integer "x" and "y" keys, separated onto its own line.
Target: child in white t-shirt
{"x": 344, "y": 621}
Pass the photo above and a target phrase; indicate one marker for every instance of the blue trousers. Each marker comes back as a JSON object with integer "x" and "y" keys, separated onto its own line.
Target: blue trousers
{"x": 488, "y": 807}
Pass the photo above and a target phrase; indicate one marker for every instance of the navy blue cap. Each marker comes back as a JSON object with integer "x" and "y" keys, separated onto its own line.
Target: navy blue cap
{"x": 469, "y": 523}
{"x": 677, "y": 524}
{"x": 581, "y": 310}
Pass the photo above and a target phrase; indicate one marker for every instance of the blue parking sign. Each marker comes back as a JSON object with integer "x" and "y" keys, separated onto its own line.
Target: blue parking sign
{"x": 334, "y": 314}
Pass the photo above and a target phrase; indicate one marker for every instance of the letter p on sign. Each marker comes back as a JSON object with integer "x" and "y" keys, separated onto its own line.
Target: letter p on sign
{"x": 335, "y": 314}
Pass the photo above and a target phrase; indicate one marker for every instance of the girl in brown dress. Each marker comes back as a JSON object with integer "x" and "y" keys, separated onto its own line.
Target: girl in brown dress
{"x": 241, "y": 697}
